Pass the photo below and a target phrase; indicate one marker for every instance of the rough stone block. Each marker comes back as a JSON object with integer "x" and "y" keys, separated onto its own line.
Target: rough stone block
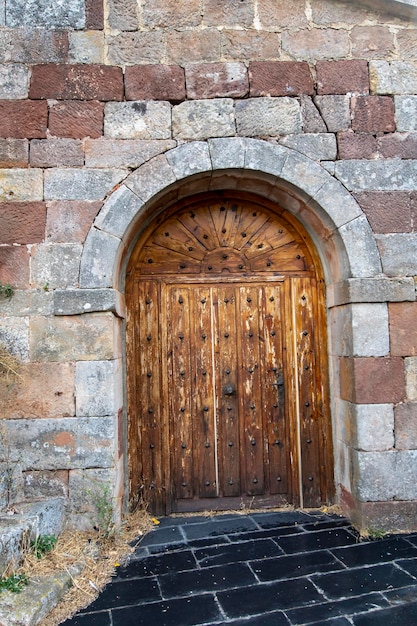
{"x": 14, "y": 153}
{"x": 407, "y": 43}
{"x": 371, "y": 290}
{"x": 204, "y": 118}
{"x": 324, "y": 14}
{"x": 76, "y": 184}
{"x": 251, "y": 45}
{"x": 216, "y": 80}
{"x": 171, "y": 14}
{"x": 395, "y": 77}
{"x": 386, "y": 475}
{"x": 411, "y": 377}
{"x": 227, "y": 153}
{"x": 45, "y": 484}
{"x": 14, "y": 335}
{"x": 55, "y": 265}
{"x": 268, "y": 117}
{"x": 342, "y": 77}
{"x": 387, "y": 175}
{"x": 373, "y": 41}
{"x": 123, "y": 15}
{"x": 398, "y": 146}
{"x": 44, "y": 14}
{"x": 76, "y": 82}
{"x": 56, "y": 153}
{"x": 136, "y": 48}
{"x": 14, "y": 266}
{"x": 340, "y": 319}
{"x": 22, "y": 222}
{"x": 100, "y": 250}
{"x": 69, "y": 221}
{"x": 356, "y": 145}
{"x": 123, "y": 152}
{"x": 78, "y": 301}
{"x": 27, "y": 302}
{"x": 84, "y": 338}
{"x": 23, "y": 119}
{"x": 86, "y": 489}
{"x": 86, "y": 47}
{"x": 137, "y": 120}
{"x": 373, "y": 426}
{"x": 155, "y": 82}
{"x": 363, "y": 253}
{"x": 62, "y": 443}
{"x": 277, "y": 16}
{"x": 76, "y": 119}
{"x": 33, "y": 45}
{"x": 368, "y": 380}
{"x": 94, "y": 14}
{"x": 312, "y": 120}
{"x": 316, "y": 43}
{"x": 406, "y": 113}
{"x": 193, "y": 46}
{"x": 317, "y": 146}
{"x": 406, "y": 426}
{"x": 398, "y": 253}
{"x": 334, "y": 111}
{"x": 387, "y": 211}
{"x": 189, "y": 159}
{"x": 14, "y": 81}
{"x": 370, "y": 339}
{"x": 403, "y": 328}
{"x": 372, "y": 114}
{"x": 282, "y": 78}
{"x": 216, "y": 12}
{"x": 98, "y": 388}
{"x": 17, "y": 185}
{"x": 44, "y": 390}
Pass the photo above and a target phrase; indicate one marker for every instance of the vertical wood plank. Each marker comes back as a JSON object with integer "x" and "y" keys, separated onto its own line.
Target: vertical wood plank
{"x": 226, "y": 367}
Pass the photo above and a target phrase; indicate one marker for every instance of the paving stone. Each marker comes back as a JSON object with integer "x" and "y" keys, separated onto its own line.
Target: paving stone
{"x": 123, "y": 152}
{"x": 396, "y": 616}
{"x": 97, "y": 384}
{"x": 276, "y": 618}
{"x": 268, "y": 117}
{"x": 41, "y": 13}
{"x": 294, "y": 566}
{"x": 184, "y": 611}
{"x": 362, "y": 580}
{"x": 406, "y": 113}
{"x": 246, "y": 551}
{"x": 126, "y": 593}
{"x": 14, "y": 81}
{"x": 351, "y": 606}
{"x": 162, "y": 564}
{"x": 137, "y": 120}
{"x": 319, "y": 540}
{"x": 93, "y": 619}
{"x": 208, "y": 579}
{"x": 55, "y": 265}
{"x": 335, "y": 112}
{"x": 218, "y": 527}
{"x": 68, "y": 338}
{"x": 373, "y": 552}
{"x": 283, "y": 518}
{"x": 203, "y": 118}
{"x": 77, "y": 184}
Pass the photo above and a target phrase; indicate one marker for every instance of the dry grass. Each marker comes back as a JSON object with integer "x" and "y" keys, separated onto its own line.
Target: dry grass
{"x": 98, "y": 555}
{"x": 9, "y": 365}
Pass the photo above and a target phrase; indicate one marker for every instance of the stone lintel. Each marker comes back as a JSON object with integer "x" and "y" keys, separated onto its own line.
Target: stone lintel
{"x": 80, "y": 301}
{"x": 370, "y": 290}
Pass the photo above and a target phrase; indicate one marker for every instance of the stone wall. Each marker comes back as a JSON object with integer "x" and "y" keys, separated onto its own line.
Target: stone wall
{"x": 89, "y": 95}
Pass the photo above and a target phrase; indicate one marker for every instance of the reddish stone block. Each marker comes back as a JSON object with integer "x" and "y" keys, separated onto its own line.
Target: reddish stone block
{"x": 193, "y": 46}
{"x": 22, "y": 222}
{"x": 398, "y": 145}
{"x": 372, "y": 380}
{"x": 356, "y": 145}
{"x": 23, "y": 119}
{"x": 342, "y": 77}
{"x": 56, "y": 153}
{"x": 372, "y": 42}
{"x": 76, "y": 82}
{"x": 14, "y": 153}
{"x": 76, "y": 119}
{"x": 403, "y": 328}
{"x": 69, "y": 221}
{"x": 216, "y": 80}
{"x": 281, "y": 78}
{"x": 94, "y": 14}
{"x": 14, "y": 266}
{"x": 387, "y": 211}
{"x": 373, "y": 114}
{"x": 155, "y": 82}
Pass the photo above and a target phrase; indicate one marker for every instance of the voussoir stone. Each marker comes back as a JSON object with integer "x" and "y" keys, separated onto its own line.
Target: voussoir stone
{"x": 189, "y": 159}
{"x": 151, "y": 178}
{"x": 118, "y": 212}
{"x": 227, "y": 152}
{"x": 100, "y": 251}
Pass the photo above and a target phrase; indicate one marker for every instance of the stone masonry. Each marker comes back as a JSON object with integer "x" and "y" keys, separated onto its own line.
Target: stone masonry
{"x": 106, "y": 111}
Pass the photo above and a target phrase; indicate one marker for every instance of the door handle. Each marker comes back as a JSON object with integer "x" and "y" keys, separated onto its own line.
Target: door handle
{"x": 281, "y": 388}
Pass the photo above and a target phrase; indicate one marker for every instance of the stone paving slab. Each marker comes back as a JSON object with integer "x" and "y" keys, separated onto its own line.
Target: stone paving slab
{"x": 260, "y": 569}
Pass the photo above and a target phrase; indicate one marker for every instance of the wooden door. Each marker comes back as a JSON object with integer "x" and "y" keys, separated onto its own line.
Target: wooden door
{"x": 227, "y": 382}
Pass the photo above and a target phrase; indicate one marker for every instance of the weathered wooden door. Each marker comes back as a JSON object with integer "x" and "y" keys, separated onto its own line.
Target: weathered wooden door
{"x": 227, "y": 393}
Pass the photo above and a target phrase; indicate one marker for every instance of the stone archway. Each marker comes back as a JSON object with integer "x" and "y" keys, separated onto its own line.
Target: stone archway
{"x": 330, "y": 215}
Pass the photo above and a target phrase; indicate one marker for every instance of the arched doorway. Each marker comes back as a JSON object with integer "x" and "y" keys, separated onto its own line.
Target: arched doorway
{"x": 227, "y": 372}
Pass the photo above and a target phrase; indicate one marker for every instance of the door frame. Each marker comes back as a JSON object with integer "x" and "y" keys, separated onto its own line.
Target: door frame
{"x": 162, "y": 503}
